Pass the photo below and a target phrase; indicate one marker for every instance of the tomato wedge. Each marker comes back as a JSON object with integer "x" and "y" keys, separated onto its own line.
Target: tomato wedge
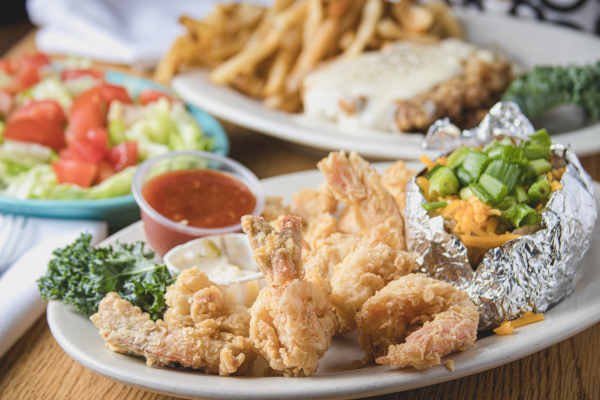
{"x": 150, "y": 95}
{"x": 39, "y": 122}
{"x": 76, "y": 172}
{"x": 46, "y": 110}
{"x": 105, "y": 171}
{"x": 69, "y": 74}
{"x": 88, "y": 112}
{"x": 123, "y": 155}
{"x": 112, "y": 92}
{"x": 90, "y": 147}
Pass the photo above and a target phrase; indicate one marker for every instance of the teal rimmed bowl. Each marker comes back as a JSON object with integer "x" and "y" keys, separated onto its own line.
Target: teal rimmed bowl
{"x": 117, "y": 211}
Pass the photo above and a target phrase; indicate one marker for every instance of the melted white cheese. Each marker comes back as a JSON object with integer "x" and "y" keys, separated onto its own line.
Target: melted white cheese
{"x": 400, "y": 72}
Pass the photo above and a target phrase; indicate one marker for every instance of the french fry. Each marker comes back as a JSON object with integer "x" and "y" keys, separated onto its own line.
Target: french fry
{"x": 248, "y": 84}
{"x": 415, "y": 19}
{"x": 445, "y": 19}
{"x": 346, "y": 40}
{"x": 371, "y": 14}
{"x": 288, "y": 102}
{"x": 313, "y": 20}
{"x": 167, "y": 67}
{"x": 390, "y": 30}
{"x": 311, "y": 55}
{"x": 255, "y": 52}
{"x": 290, "y": 46}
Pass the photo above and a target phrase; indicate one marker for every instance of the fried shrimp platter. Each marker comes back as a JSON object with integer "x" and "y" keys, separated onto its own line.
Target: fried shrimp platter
{"x": 334, "y": 260}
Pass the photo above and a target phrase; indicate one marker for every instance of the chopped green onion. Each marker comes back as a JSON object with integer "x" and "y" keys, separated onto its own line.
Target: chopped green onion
{"x": 528, "y": 175}
{"x": 539, "y": 191}
{"x": 540, "y": 137}
{"x": 433, "y": 170}
{"x": 466, "y": 193}
{"x": 457, "y": 157}
{"x": 475, "y": 163}
{"x": 521, "y": 215}
{"x": 511, "y": 154}
{"x": 491, "y": 147}
{"x": 506, "y": 203}
{"x": 506, "y": 141}
{"x": 540, "y": 165}
{"x": 464, "y": 177}
{"x": 520, "y": 194}
{"x": 435, "y": 206}
{"x": 443, "y": 182}
{"x": 535, "y": 151}
{"x": 480, "y": 192}
{"x": 506, "y": 172}
{"x": 494, "y": 187}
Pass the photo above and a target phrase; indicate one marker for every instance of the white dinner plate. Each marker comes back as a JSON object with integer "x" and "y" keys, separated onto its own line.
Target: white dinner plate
{"x": 76, "y": 334}
{"x": 526, "y": 42}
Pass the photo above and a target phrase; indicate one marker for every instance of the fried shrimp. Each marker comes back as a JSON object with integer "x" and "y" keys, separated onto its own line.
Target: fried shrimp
{"x": 415, "y": 320}
{"x": 358, "y": 186}
{"x": 292, "y": 321}
{"x": 394, "y": 180}
{"x": 374, "y": 262}
{"x": 208, "y": 333}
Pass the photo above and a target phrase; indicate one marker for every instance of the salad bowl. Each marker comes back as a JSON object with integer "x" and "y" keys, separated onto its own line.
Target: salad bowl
{"x": 122, "y": 210}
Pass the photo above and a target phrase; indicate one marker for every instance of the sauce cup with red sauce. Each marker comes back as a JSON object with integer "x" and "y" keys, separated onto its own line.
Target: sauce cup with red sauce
{"x": 191, "y": 194}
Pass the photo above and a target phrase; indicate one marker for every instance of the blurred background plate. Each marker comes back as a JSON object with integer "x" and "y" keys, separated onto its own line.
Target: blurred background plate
{"x": 526, "y": 42}
{"x": 117, "y": 211}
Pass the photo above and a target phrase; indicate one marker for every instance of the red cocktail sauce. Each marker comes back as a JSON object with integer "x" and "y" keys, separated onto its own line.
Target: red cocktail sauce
{"x": 194, "y": 197}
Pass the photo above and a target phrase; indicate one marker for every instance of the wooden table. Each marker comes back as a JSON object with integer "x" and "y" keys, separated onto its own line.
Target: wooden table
{"x": 37, "y": 368}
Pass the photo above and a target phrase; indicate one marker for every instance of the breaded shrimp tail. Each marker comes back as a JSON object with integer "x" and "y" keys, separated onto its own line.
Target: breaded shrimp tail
{"x": 358, "y": 186}
{"x": 292, "y": 320}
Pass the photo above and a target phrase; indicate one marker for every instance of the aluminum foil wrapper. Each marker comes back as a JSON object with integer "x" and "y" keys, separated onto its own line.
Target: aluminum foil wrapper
{"x": 530, "y": 273}
{"x": 505, "y": 118}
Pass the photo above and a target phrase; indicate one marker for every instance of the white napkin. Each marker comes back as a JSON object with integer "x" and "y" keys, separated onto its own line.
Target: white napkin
{"x": 133, "y": 32}
{"x": 20, "y": 302}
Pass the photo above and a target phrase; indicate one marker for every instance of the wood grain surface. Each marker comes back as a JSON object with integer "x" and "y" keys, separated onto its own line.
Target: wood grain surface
{"x": 37, "y": 368}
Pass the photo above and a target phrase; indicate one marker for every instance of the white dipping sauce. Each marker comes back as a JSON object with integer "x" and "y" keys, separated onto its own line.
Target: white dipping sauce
{"x": 400, "y": 72}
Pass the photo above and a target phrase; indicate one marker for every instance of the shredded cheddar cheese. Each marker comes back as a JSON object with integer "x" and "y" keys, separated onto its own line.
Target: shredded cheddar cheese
{"x": 474, "y": 217}
{"x": 508, "y": 326}
{"x": 556, "y": 185}
{"x": 442, "y": 161}
{"x": 427, "y": 161}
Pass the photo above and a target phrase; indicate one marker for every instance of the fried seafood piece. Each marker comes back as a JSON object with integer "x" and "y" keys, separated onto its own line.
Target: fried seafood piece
{"x": 415, "y": 320}
{"x": 292, "y": 319}
{"x": 320, "y": 228}
{"x": 329, "y": 252}
{"x": 310, "y": 203}
{"x": 274, "y": 208}
{"x": 375, "y": 261}
{"x": 208, "y": 334}
{"x": 394, "y": 181}
{"x": 358, "y": 186}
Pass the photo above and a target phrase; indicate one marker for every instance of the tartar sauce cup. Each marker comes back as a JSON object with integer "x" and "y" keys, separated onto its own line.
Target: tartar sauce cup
{"x": 163, "y": 233}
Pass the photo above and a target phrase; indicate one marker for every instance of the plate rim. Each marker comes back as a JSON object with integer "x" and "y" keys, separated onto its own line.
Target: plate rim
{"x": 353, "y": 387}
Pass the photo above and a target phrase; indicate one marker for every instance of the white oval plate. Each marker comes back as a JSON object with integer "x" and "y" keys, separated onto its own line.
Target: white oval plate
{"x": 80, "y": 339}
{"x": 526, "y": 42}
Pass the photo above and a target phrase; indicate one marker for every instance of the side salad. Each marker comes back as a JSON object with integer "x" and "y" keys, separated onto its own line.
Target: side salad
{"x": 65, "y": 133}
